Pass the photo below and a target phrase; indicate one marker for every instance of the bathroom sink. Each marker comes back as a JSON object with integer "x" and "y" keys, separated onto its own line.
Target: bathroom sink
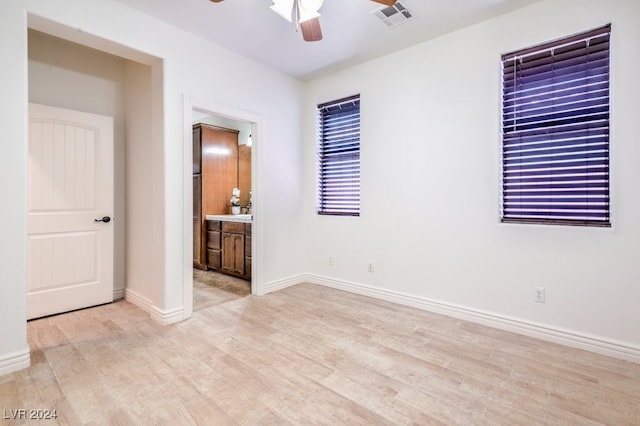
{"x": 231, "y": 217}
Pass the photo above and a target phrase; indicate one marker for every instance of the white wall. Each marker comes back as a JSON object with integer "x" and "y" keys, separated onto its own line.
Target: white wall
{"x": 14, "y": 352}
{"x": 139, "y": 157}
{"x": 217, "y": 77}
{"x": 430, "y": 184}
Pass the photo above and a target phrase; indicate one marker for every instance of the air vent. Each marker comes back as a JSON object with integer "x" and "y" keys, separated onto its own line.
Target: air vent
{"x": 393, "y": 15}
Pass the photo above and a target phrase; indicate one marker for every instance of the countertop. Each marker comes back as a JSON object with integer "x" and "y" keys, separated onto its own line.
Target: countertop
{"x": 245, "y": 218}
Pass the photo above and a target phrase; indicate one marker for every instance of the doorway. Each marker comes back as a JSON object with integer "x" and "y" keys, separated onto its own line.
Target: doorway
{"x": 222, "y": 163}
{"x": 72, "y": 70}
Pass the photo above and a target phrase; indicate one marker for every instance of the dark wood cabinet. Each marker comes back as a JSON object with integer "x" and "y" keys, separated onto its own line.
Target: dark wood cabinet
{"x": 198, "y": 252}
{"x": 197, "y": 149}
{"x": 244, "y": 174}
{"x": 233, "y": 253}
{"x": 233, "y": 248}
{"x": 214, "y": 245}
{"x": 215, "y": 174}
{"x": 229, "y": 247}
{"x": 247, "y": 251}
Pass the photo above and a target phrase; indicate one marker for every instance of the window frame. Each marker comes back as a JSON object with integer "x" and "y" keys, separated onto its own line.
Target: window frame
{"x": 338, "y": 157}
{"x": 562, "y": 124}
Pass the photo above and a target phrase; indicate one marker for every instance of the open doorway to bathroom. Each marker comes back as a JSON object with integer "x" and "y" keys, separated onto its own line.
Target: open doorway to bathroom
{"x": 222, "y": 209}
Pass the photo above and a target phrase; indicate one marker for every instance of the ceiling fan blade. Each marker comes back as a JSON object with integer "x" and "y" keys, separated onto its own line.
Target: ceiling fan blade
{"x": 385, "y": 2}
{"x": 311, "y": 30}
{"x": 216, "y": 1}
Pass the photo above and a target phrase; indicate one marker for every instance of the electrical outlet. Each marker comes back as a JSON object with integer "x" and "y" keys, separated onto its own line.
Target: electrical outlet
{"x": 330, "y": 260}
{"x": 538, "y": 295}
{"x": 370, "y": 268}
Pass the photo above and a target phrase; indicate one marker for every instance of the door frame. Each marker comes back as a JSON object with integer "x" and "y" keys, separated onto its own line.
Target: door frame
{"x": 189, "y": 104}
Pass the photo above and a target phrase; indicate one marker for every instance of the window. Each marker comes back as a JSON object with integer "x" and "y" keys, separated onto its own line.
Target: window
{"x": 339, "y": 157}
{"x": 555, "y": 132}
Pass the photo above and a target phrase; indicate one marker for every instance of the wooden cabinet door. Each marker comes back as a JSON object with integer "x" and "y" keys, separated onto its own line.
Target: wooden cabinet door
{"x": 244, "y": 173}
{"x": 197, "y": 150}
{"x": 198, "y": 246}
{"x": 233, "y": 253}
{"x": 247, "y": 252}
{"x": 219, "y": 169}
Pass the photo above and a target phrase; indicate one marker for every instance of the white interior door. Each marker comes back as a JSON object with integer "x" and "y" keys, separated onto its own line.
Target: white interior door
{"x": 70, "y": 254}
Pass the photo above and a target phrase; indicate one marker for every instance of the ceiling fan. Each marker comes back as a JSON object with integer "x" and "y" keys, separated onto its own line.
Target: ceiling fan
{"x": 304, "y": 13}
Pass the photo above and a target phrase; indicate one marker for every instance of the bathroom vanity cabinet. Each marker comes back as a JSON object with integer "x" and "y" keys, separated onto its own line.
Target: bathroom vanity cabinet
{"x": 229, "y": 245}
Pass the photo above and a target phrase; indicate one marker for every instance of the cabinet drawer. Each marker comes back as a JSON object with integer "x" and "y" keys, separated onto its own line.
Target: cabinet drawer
{"x": 247, "y": 229}
{"x": 213, "y": 259}
{"x": 213, "y": 225}
{"x": 233, "y": 227}
{"x": 213, "y": 239}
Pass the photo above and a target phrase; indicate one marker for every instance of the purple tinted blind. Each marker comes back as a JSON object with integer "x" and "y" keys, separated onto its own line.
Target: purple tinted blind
{"x": 339, "y": 157}
{"x": 555, "y": 132}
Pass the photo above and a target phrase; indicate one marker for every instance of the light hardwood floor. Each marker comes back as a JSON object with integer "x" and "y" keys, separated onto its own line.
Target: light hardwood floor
{"x": 311, "y": 355}
{"x": 212, "y": 288}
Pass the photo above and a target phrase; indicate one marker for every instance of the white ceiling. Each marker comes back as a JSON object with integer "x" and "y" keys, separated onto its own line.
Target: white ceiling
{"x": 351, "y": 33}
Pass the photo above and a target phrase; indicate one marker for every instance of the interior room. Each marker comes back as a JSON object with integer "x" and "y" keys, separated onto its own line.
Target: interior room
{"x": 222, "y": 206}
{"x": 416, "y": 292}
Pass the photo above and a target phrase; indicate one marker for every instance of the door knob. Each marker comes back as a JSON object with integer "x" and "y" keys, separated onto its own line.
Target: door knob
{"x": 105, "y": 219}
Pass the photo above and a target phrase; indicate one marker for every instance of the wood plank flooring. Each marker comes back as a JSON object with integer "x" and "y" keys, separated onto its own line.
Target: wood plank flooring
{"x": 212, "y": 288}
{"x": 309, "y": 355}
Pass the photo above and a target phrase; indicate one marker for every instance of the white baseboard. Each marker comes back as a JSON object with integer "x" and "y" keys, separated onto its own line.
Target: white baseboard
{"x": 287, "y": 282}
{"x": 138, "y": 300}
{"x": 158, "y": 315}
{"x": 597, "y": 344}
{"x": 167, "y": 317}
{"x": 15, "y": 361}
{"x": 118, "y": 293}
{"x": 600, "y": 345}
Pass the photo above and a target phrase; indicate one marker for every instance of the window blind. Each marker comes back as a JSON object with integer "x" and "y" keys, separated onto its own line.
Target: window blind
{"x": 339, "y": 157}
{"x": 555, "y": 132}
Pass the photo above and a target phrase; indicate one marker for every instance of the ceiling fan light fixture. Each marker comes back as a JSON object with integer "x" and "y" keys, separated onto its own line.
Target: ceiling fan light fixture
{"x": 309, "y": 9}
{"x": 306, "y": 15}
{"x": 303, "y": 10}
{"x": 283, "y": 8}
